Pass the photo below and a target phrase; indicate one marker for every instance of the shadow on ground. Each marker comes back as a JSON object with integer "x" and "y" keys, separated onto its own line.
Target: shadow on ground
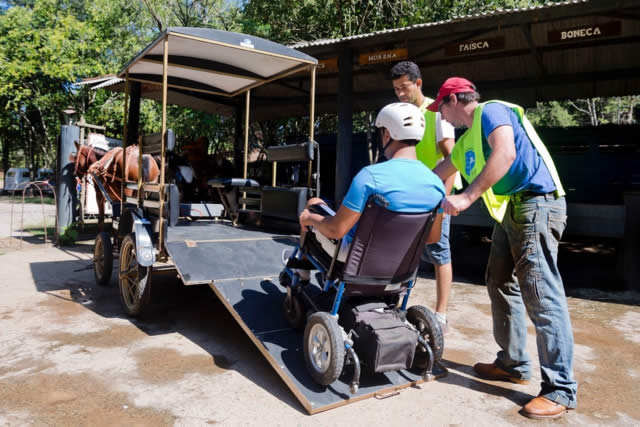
{"x": 193, "y": 312}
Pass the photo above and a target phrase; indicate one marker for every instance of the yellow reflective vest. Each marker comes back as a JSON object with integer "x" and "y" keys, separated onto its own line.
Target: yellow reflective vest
{"x": 468, "y": 157}
{"x": 427, "y": 150}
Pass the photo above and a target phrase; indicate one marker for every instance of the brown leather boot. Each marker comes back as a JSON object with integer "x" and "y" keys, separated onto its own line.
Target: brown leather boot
{"x": 489, "y": 371}
{"x": 541, "y": 408}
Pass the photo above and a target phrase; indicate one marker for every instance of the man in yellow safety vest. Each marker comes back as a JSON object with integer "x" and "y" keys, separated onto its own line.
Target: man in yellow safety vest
{"x": 436, "y": 144}
{"x": 505, "y": 162}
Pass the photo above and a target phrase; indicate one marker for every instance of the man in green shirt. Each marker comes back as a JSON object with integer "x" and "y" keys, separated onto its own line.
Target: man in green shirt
{"x": 437, "y": 143}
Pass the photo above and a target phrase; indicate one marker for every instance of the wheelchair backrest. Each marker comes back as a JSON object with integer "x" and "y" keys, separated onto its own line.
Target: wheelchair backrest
{"x": 387, "y": 246}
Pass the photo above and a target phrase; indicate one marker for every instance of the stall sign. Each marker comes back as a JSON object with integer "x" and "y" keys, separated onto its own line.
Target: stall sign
{"x": 585, "y": 32}
{"x": 382, "y": 56}
{"x": 329, "y": 65}
{"x": 475, "y": 46}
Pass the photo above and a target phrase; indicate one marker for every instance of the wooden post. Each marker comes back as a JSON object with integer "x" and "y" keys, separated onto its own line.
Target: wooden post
{"x": 312, "y": 112}
{"x": 238, "y": 139}
{"x": 140, "y": 194}
{"x": 274, "y": 171}
{"x": 125, "y": 136}
{"x": 246, "y": 140}
{"x": 345, "y": 123}
{"x": 631, "y": 237}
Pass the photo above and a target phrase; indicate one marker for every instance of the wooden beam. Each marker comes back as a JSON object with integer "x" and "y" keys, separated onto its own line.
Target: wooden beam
{"x": 537, "y": 55}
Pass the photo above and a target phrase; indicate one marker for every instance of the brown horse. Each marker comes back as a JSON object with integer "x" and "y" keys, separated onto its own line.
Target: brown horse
{"x": 108, "y": 166}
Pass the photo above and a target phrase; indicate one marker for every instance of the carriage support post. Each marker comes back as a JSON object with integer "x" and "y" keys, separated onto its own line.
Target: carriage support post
{"x": 125, "y": 135}
{"x": 165, "y": 69}
{"x": 246, "y": 140}
{"x": 312, "y": 106}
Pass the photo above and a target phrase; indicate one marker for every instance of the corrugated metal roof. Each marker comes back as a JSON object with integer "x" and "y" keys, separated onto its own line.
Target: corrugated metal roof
{"x": 112, "y": 81}
{"x": 94, "y": 80}
{"x": 497, "y": 12}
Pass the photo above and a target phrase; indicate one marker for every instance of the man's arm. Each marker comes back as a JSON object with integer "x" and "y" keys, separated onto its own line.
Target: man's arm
{"x": 445, "y": 169}
{"x": 503, "y": 153}
{"x": 333, "y": 227}
{"x": 446, "y": 146}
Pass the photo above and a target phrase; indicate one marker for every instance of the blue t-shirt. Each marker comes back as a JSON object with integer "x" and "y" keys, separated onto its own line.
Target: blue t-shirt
{"x": 408, "y": 186}
{"x": 528, "y": 171}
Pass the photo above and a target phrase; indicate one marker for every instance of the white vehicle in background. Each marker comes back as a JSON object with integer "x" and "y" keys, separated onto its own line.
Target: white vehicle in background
{"x": 16, "y": 179}
{"x": 43, "y": 174}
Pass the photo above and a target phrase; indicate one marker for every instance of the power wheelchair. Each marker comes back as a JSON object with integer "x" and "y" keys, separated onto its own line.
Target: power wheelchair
{"x": 357, "y": 313}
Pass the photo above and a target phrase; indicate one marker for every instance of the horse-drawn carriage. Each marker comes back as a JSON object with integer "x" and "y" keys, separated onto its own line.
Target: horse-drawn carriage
{"x": 234, "y": 246}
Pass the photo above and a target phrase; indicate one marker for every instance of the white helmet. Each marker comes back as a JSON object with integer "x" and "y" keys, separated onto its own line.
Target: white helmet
{"x": 404, "y": 121}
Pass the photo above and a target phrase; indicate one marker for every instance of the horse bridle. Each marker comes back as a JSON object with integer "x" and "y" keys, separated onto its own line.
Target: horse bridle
{"x": 86, "y": 157}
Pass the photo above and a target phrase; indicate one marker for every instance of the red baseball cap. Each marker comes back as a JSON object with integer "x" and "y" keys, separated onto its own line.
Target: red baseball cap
{"x": 451, "y": 85}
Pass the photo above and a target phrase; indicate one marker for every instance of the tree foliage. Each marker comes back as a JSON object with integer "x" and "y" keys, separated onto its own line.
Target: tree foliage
{"x": 290, "y": 21}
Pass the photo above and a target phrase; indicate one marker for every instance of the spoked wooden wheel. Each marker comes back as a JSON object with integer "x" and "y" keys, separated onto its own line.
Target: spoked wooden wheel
{"x": 134, "y": 280}
{"x": 102, "y": 259}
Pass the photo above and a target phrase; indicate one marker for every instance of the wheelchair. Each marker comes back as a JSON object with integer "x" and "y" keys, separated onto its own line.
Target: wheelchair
{"x": 357, "y": 312}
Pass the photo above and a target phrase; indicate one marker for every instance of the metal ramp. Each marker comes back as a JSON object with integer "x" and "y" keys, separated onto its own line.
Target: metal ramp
{"x": 242, "y": 267}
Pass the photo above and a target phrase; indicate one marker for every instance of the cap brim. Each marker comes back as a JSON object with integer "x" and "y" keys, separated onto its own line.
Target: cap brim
{"x": 434, "y": 106}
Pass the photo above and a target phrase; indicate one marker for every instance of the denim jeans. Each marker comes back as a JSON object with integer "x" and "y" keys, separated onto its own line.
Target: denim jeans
{"x": 522, "y": 278}
{"x": 439, "y": 253}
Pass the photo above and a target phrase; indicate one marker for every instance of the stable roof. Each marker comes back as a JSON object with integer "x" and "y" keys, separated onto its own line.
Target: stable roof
{"x": 568, "y": 50}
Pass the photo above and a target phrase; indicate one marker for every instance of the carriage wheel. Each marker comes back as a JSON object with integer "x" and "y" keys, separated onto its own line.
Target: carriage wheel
{"x": 429, "y": 328}
{"x": 323, "y": 348}
{"x": 103, "y": 259}
{"x": 134, "y": 280}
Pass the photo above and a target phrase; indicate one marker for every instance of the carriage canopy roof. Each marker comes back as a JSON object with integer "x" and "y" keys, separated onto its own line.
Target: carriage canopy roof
{"x": 214, "y": 62}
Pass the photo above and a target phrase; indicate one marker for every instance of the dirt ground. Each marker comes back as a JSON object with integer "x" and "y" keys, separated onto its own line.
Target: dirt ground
{"x": 69, "y": 357}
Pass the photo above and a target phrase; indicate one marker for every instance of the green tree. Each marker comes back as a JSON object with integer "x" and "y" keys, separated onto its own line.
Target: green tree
{"x": 551, "y": 114}
{"x": 290, "y": 21}
{"x": 41, "y": 48}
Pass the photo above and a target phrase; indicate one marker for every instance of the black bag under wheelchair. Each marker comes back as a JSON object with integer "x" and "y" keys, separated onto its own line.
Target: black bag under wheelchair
{"x": 357, "y": 312}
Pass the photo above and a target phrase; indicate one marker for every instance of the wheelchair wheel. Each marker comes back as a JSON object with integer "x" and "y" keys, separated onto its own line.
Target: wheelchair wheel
{"x": 284, "y": 279}
{"x": 294, "y": 311}
{"x": 429, "y": 328}
{"x": 323, "y": 348}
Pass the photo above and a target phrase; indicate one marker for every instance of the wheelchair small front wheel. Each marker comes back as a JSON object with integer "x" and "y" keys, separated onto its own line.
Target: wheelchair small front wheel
{"x": 294, "y": 311}
{"x": 429, "y": 328}
{"x": 284, "y": 279}
{"x": 323, "y": 348}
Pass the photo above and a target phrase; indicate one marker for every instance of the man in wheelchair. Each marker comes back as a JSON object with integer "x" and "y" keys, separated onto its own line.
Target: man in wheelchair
{"x": 382, "y": 224}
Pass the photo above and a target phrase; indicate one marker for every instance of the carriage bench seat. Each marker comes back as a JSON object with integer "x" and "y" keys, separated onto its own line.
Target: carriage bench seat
{"x": 232, "y": 182}
{"x": 227, "y": 189}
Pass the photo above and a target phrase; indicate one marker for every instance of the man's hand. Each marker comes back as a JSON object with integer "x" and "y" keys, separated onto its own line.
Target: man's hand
{"x": 453, "y": 205}
{"x": 305, "y": 218}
